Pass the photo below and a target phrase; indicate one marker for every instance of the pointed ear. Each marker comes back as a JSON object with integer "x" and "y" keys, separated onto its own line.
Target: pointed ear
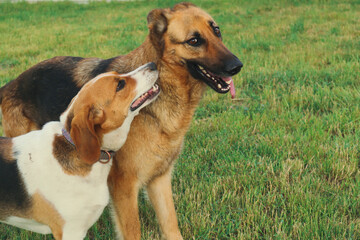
{"x": 157, "y": 24}
{"x": 84, "y": 136}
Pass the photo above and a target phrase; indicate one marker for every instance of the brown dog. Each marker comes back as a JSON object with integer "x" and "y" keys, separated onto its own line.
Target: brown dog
{"x": 186, "y": 44}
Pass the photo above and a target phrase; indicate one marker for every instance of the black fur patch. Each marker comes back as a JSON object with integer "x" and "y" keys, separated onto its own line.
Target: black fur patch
{"x": 48, "y": 88}
{"x": 13, "y": 195}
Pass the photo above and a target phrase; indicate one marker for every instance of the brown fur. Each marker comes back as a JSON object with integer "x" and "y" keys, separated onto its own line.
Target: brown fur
{"x": 43, "y": 212}
{"x": 14, "y": 122}
{"x": 156, "y": 136}
{"x": 6, "y": 149}
{"x": 68, "y": 158}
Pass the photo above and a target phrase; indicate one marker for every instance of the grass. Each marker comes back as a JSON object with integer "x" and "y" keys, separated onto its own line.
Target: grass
{"x": 279, "y": 162}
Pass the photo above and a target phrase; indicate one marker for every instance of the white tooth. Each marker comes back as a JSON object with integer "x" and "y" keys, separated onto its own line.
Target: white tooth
{"x": 201, "y": 67}
{"x": 219, "y": 86}
{"x": 208, "y": 75}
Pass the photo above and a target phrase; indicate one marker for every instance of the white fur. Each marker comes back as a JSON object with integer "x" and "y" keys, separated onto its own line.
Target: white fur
{"x": 108, "y": 138}
{"x": 28, "y": 224}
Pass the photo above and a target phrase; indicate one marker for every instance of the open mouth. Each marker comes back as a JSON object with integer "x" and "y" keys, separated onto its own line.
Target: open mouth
{"x": 218, "y": 83}
{"x": 145, "y": 98}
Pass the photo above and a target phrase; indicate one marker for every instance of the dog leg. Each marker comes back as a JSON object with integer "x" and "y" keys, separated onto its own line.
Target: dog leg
{"x": 73, "y": 233}
{"x": 160, "y": 195}
{"x": 57, "y": 236}
{"x": 124, "y": 194}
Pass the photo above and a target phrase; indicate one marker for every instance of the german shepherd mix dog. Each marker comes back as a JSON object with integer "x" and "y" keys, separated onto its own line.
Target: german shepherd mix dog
{"x": 186, "y": 44}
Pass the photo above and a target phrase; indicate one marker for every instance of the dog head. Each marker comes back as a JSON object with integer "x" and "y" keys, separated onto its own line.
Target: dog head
{"x": 106, "y": 104}
{"x": 188, "y": 36}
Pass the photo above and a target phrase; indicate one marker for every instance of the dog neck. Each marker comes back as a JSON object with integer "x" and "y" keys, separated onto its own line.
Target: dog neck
{"x": 177, "y": 102}
{"x": 180, "y": 92}
{"x": 65, "y": 150}
{"x": 145, "y": 53}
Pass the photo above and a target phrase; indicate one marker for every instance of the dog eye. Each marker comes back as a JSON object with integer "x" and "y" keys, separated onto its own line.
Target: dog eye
{"x": 217, "y": 31}
{"x": 121, "y": 85}
{"x": 194, "y": 42}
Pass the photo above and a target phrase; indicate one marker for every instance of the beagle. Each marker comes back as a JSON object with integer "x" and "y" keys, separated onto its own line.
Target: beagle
{"x": 55, "y": 179}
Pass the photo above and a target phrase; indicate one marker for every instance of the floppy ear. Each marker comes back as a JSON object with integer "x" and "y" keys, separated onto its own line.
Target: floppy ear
{"x": 157, "y": 24}
{"x": 84, "y": 136}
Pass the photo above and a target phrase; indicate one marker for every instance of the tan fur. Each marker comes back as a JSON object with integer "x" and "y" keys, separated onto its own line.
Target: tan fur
{"x": 6, "y": 150}
{"x": 14, "y": 122}
{"x": 43, "y": 212}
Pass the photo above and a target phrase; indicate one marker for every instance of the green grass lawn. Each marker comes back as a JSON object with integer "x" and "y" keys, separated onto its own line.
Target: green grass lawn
{"x": 282, "y": 160}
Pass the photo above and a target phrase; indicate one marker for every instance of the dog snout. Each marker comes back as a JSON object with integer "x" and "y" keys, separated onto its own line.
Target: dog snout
{"x": 233, "y": 66}
{"x": 152, "y": 66}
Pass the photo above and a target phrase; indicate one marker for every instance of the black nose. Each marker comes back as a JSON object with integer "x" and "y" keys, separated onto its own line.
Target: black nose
{"x": 152, "y": 66}
{"x": 233, "y": 66}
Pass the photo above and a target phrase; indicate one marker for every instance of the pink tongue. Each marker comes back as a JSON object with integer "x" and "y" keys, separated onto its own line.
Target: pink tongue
{"x": 232, "y": 86}
{"x": 232, "y": 89}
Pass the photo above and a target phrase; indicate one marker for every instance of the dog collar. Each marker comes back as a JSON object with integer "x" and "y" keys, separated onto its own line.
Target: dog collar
{"x": 105, "y": 156}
